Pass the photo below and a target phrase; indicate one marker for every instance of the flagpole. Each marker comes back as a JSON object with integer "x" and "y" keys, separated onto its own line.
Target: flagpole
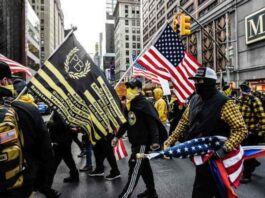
{"x": 143, "y": 51}
{"x": 68, "y": 35}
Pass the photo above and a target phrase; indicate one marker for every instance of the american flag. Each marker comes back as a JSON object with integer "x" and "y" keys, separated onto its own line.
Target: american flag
{"x": 168, "y": 59}
{"x": 120, "y": 150}
{"x": 139, "y": 70}
{"x": 14, "y": 66}
{"x": 200, "y": 150}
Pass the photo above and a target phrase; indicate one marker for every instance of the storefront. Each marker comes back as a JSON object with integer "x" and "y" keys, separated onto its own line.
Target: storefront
{"x": 258, "y": 85}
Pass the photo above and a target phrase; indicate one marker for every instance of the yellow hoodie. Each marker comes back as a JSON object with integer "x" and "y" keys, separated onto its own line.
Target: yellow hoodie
{"x": 27, "y": 98}
{"x": 160, "y": 105}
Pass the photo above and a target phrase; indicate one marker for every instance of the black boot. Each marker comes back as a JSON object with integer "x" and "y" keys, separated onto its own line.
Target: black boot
{"x": 148, "y": 194}
{"x": 245, "y": 179}
{"x": 71, "y": 179}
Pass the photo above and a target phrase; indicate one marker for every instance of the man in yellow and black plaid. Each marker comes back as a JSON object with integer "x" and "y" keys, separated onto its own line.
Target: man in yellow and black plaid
{"x": 209, "y": 113}
{"x": 254, "y": 117}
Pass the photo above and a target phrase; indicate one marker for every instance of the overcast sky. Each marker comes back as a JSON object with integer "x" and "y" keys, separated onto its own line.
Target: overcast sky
{"x": 88, "y": 16}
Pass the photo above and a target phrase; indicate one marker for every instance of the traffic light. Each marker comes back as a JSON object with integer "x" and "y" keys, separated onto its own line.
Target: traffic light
{"x": 175, "y": 22}
{"x": 185, "y": 25}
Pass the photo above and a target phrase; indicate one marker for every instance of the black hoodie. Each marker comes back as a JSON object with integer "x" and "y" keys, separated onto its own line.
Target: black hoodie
{"x": 143, "y": 125}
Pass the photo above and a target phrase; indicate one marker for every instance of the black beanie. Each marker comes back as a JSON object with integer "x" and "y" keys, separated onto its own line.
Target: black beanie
{"x": 4, "y": 71}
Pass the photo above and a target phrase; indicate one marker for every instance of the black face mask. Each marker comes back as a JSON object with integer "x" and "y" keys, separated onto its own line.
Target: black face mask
{"x": 206, "y": 90}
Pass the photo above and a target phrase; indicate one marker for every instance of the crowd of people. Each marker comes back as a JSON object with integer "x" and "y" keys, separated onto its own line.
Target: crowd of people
{"x": 37, "y": 148}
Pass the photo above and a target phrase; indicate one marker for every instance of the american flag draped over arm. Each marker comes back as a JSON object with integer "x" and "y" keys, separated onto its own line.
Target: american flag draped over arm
{"x": 168, "y": 59}
{"x": 139, "y": 70}
{"x": 227, "y": 170}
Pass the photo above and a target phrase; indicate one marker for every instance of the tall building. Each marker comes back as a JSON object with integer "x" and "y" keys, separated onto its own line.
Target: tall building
{"x": 226, "y": 21}
{"x": 52, "y": 25}
{"x": 109, "y": 56}
{"x": 127, "y": 34}
{"x": 32, "y": 38}
{"x": 12, "y": 30}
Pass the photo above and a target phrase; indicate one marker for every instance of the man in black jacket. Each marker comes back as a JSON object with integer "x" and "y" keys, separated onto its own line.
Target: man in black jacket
{"x": 37, "y": 149}
{"x": 143, "y": 127}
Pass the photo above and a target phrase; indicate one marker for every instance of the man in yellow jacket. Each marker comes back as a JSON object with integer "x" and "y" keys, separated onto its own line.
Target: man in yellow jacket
{"x": 161, "y": 105}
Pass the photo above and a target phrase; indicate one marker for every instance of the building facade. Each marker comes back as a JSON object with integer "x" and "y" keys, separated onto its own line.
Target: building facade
{"x": 52, "y": 25}
{"x": 109, "y": 56}
{"x": 12, "y": 30}
{"x": 221, "y": 43}
{"x": 32, "y": 38}
{"x": 127, "y": 34}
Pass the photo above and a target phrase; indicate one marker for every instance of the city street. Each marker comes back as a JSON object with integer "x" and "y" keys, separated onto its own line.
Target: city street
{"x": 173, "y": 178}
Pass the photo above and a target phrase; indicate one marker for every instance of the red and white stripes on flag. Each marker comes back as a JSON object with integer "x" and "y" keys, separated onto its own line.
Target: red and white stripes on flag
{"x": 147, "y": 74}
{"x": 120, "y": 150}
{"x": 140, "y": 71}
{"x": 168, "y": 59}
{"x": 230, "y": 167}
{"x": 14, "y": 66}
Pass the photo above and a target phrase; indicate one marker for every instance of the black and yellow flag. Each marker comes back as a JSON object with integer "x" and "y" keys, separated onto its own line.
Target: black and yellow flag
{"x": 71, "y": 84}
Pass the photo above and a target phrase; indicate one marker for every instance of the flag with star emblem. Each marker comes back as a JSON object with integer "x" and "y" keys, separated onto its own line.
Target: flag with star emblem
{"x": 168, "y": 59}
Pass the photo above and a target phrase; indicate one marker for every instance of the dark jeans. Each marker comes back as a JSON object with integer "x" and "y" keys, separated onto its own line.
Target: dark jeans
{"x": 88, "y": 154}
{"x": 63, "y": 152}
{"x": 205, "y": 185}
{"x": 77, "y": 141}
{"x": 251, "y": 164}
{"x": 102, "y": 150}
{"x": 138, "y": 168}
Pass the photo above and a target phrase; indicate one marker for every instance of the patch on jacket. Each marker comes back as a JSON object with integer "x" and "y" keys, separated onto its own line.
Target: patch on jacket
{"x": 131, "y": 118}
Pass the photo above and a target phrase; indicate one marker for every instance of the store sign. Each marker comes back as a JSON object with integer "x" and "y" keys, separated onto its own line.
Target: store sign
{"x": 255, "y": 26}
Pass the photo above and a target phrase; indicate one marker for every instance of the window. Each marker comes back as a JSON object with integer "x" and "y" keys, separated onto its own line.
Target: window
{"x": 126, "y": 37}
{"x": 42, "y": 1}
{"x": 201, "y": 2}
{"x": 127, "y": 61}
{"x": 134, "y": 38}
{"x": 33, "y": 1}
{"x": 183, "y": 2}
{"x": 138, "y": 45}
{"x": 127, "y": 45}
{"x": 207, "y": 9}
{"x": 134, "y": 45}
{"x": 42, "y": 21}
{"x": 42, "y": 8}
{"x": 126, "y": 22}
{"x": 133, "y": 30}
{"x": 126, "y": 6}
{"x": 133, "y": 22}
{"x": 127, "y": 52}
{"x": 42, "y": 28}
{"x": 138, "y": 38}
{"x": 190, "y": 8}
{"x": 169, "y": 3}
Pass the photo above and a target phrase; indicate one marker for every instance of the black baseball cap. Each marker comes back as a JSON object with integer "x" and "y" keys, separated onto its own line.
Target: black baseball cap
{"x": 134, "y": 83}
{"x": 4, "y": 71}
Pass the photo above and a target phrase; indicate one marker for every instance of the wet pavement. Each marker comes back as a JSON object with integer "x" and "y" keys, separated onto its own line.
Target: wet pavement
{"x": 173, "y": 179}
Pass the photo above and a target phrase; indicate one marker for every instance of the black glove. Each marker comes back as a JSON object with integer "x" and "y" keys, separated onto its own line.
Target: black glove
{"x": 220, "y": 153}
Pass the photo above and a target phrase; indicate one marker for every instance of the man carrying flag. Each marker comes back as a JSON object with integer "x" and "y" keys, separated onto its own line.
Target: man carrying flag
{"x": 209, "y": 114}
{"x": 145, "y": 133}
{"x": 72, "y": 85}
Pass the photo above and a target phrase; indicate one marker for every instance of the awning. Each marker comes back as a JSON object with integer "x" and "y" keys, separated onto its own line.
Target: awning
{"x": 14, "y": 66}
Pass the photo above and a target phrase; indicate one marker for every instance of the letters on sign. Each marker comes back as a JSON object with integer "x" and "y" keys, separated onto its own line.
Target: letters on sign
{"x": 255, "y": 26}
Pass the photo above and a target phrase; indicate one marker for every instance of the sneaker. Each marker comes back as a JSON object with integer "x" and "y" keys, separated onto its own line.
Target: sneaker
{"x": 147, "y": 194}
{"x": 82, "y": 154}
{"x": 113, "y": 176}
{"x": 86, "y": 168}
{"x": 51, "y": 193}
{"x": 96, "y": 173}
{"x": 245, "y": 180}
{"x": 71, "y": 179}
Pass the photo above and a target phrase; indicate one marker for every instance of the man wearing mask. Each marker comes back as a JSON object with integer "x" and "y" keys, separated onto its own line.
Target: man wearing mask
{"x": 254, "y": 117}
{"x": 143, "y": 128}
{"x": 160, "y": 105}
{"x": 37, "y": 149}
{"x": 209, "y": 113}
